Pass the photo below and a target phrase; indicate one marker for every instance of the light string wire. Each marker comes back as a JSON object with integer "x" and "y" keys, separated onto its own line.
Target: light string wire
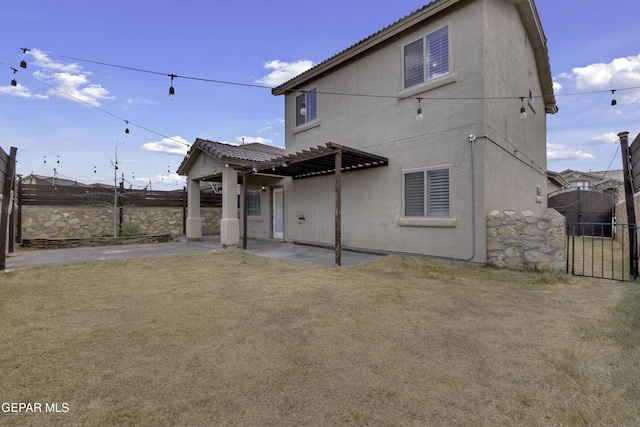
{"x": 267, "y": 87}
{"x": 140, "y": 70}
{"x": 128, "y": 122}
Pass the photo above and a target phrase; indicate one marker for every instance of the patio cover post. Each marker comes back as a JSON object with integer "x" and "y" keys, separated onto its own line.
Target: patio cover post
{"x": 230, "y": 223}
{"x": 194, "y": 222}
{"x": 245, "y": 210}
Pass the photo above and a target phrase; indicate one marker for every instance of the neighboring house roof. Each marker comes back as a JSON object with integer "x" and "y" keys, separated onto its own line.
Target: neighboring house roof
{"x": 50, "y": 180}
{"x": 247, "y": 153}
{"x": 556, "y": 178}
{"x": 600, "y": 176}
{"x": 528, "y": 13}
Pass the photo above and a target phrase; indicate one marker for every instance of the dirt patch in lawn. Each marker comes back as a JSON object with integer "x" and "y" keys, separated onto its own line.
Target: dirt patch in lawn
{"x": 233, "y": 339}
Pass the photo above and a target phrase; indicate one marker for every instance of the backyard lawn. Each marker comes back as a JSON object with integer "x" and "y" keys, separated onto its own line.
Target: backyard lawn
{"x": 234, "y": 339}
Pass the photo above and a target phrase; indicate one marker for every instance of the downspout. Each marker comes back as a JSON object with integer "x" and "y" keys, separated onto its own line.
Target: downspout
{"x": 472, "y": 140}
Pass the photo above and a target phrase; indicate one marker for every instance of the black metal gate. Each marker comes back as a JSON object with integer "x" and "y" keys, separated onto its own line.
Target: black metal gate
{"x": 601, "y": 250}
{"x": 592, "y": 208}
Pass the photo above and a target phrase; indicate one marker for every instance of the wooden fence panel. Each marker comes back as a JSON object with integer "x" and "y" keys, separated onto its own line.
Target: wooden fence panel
{"x": 67, "y": 195}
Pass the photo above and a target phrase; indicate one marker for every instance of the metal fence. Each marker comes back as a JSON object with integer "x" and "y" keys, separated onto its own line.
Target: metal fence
{"x": 602, "y": 250}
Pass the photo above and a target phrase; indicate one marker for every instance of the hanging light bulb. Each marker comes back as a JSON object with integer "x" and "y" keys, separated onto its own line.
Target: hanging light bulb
{"x": 303, "y": 109}
{"x": 126, "y": 131}
{"x": 419, "y": 115}
{"x": 172, "y": 91}
{"x": 23, "y": 63}
{"x": 523, "y": 111}
{"x": 13, "y": 81}
{"x": 613, "y": 101}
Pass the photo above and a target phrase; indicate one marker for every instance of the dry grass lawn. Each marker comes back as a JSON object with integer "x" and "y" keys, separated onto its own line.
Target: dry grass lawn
{"x": 234, "y": 339}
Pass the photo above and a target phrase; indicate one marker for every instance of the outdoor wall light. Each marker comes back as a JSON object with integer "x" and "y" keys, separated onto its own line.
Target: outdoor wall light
{"x": 264, "y": 187}
{"x": 523, "y": 111}
{"x": 419, "y": 115}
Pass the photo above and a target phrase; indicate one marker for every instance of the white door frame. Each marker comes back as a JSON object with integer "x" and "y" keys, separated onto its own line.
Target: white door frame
{"x": 277, "y": 213}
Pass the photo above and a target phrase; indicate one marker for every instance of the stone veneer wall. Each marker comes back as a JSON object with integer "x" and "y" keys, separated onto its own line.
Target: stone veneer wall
{"x": 532, "y": 240}
{"x": 47, "y": 222}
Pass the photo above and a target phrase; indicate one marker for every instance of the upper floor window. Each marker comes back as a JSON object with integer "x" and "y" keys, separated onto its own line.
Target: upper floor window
{"x": 583, "y": 185}
{"x": 307, "y": 107}
{"x": 426, "y": 193}
{"x": 427, "y": 59}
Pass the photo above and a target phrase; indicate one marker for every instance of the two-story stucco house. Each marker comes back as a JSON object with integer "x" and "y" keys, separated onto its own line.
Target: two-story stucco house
{"x": 451, "y": 102}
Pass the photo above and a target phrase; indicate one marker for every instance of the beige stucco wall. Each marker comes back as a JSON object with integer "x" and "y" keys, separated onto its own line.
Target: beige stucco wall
{"x": 514, "y": 152}
{"x": 482, "y": 64}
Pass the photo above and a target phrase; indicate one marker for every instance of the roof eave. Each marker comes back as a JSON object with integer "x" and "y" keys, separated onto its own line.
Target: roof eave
{"x": 364, "y": 45}
{"x": 531, "y": 21}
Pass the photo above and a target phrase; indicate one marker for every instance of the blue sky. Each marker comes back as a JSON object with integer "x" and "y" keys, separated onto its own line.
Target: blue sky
{"x": 593, "y": 47}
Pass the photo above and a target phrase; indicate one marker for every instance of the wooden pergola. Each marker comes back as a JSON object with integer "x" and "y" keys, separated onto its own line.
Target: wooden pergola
{"x": 323, "y": 160}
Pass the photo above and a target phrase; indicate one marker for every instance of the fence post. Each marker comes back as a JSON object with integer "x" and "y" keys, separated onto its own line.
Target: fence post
{"x": 4, "y": 211}
{"x": 184, "y": 210}
{"x": 631, "y": 212}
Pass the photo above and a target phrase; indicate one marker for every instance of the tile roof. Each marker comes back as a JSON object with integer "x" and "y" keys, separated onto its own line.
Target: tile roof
{"x": 221, "y": 151}
{"x": 253, "y": 152}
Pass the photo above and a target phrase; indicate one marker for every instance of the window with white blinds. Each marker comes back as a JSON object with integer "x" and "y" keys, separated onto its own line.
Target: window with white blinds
{"x": 308, "y": 99}
{"x": 254, "y": 203}
{"x": 426, "y": 194}
{"x": 414, "y": 194}
{"x": 438, "y": 193}
{"x": 427, "y": 58}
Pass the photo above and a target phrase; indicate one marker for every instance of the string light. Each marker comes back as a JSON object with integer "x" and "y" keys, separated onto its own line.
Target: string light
{"x": 23, "y": 63}
{"x": 613, "y": 101}
{"x": 523, "y": 111}
{"x": 419, "y": 115}
{"x": 126, "y": 131}
{"x": 172, "y": 91}
{"x": 14, "y": 81}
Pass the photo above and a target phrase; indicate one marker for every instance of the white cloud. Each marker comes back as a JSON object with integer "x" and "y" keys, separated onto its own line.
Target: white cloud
{"x": 19, "y": 91}
{"x": 42, "y": 60}
{"x": 621, "y": 73}
{"x": 169, "y": 178}
{"x": 283, "y": 71}
{"x": 562, "y": 152}
{"x": 174, "y": 145}
{"x": 605, "y": 138}
{"x": 66, "y": 80}
{"x": 557, "y": 87}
